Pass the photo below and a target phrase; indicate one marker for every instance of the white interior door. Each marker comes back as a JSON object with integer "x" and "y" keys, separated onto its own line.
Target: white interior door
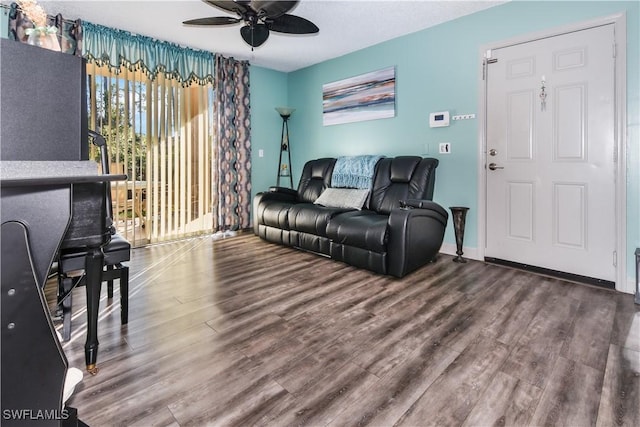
{"x": 550, "y": 157}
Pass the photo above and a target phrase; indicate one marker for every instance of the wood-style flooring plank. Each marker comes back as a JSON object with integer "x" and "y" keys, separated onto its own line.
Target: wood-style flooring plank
{"x": 413, "y": 286}
{"x": 572, "y": 398}
{"x": 587, "y": 340}
{"x": 620, "y": 398}
{"x": 626, "y": 325}
{"x": 390, "y": 398}
{"x": 506, "y": 402}
{"x": 160, "y": 418}
{"x": 510, "y": 322}
{"x": 223, "y": 399}
{"x": 321, "y": 402}
{"x": 303, "y": 373}
{"x": 240, "y": 332}
{"x": 452, "y": 396}
{"x": 403, "y": 330}
{"x": 470, "y": 317}
{"x": 535, "y": 354}
{"x": 453, "y": 318}
{"x": 183, "y": 370}
{"x": 143, "y": 334}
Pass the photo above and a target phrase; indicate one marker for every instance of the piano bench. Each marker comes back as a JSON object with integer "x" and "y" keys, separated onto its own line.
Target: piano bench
{"x": 116, "y": 252}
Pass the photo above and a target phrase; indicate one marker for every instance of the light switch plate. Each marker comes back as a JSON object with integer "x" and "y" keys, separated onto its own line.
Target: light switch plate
{"x": 445, "y": 148}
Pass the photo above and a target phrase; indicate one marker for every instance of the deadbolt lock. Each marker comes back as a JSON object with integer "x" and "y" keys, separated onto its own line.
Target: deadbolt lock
{"x": 493, "y": 152}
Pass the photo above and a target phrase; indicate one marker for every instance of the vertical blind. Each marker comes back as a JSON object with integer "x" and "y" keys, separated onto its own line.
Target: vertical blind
{"x": 160, "y": 133}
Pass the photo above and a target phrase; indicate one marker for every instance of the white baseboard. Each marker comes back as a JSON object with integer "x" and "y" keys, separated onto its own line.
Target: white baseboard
{"x": 629, "y": 287}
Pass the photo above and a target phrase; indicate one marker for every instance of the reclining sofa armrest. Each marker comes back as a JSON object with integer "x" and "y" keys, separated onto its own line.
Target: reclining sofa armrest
{"x": 274, "y": 193}
{"x": 284, "y": 190}
{"x": 415, "y": 236}
{"x": 418, "y": 203}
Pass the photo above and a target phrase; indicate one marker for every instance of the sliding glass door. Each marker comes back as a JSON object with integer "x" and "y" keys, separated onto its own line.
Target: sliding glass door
{"x": 161, "y": 134}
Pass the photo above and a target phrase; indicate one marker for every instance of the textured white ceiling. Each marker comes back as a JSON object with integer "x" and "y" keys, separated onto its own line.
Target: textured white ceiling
{"x": 345, "y": 26}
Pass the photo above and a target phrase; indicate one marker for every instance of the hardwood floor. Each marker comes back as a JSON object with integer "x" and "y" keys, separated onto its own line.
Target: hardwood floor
{"x": 243, "y": 332}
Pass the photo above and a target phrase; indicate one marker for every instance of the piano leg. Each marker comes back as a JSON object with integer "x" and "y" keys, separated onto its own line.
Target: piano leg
{"x": 67, "y": 287}
{"x": 93, "y": 269}
{"x": 124, "y": 294}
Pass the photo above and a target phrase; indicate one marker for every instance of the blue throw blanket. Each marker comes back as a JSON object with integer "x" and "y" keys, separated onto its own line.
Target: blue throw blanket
{"x": 354, "y": 171}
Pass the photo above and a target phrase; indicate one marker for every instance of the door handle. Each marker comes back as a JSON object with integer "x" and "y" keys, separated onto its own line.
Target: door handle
{"x": 493, "y": 166}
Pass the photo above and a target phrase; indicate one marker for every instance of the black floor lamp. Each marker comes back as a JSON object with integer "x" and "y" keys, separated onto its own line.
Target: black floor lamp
{"x": 284, "y": 165}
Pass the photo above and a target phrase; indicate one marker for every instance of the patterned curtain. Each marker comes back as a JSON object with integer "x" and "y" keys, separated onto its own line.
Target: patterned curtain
{"x": 69, "y": 32}
{"x": 233, "y": 151}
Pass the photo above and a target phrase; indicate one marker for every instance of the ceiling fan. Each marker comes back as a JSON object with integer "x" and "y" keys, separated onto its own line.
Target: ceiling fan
{"x": 259, "y": 18}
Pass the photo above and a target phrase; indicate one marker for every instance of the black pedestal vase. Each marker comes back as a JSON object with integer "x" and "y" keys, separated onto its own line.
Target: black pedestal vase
{"x": 459, "y": 214}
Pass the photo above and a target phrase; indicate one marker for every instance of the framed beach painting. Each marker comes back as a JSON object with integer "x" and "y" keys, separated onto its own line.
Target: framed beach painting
{"x": 368, "y": 96}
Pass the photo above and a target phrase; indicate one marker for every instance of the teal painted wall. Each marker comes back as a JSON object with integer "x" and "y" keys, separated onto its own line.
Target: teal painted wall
{"x": 4, "y": 23}
{"x": 268, "y": 90}
{"x": 437, "y": 69}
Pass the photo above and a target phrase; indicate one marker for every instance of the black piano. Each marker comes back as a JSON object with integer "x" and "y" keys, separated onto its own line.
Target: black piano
{"x": 52, "y": 197}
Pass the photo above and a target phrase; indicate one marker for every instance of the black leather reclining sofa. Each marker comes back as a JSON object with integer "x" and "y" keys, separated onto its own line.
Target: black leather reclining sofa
{"x": 398, "y": 229}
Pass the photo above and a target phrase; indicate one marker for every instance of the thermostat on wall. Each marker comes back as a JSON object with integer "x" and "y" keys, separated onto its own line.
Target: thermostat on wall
{"x": 439, "y": 119}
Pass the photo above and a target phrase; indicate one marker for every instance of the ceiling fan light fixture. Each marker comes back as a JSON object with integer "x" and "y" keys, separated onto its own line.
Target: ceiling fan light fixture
{"x": 254, "y": 35}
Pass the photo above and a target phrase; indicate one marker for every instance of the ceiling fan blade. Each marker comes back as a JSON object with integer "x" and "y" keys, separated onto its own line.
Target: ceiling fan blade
{"x": 213, "y": 20}
{"x": 254, "y": 35}
{"x": 239, "y": 7}
{"x": 292, "y": 24}
{"x": 272, "y": 9}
